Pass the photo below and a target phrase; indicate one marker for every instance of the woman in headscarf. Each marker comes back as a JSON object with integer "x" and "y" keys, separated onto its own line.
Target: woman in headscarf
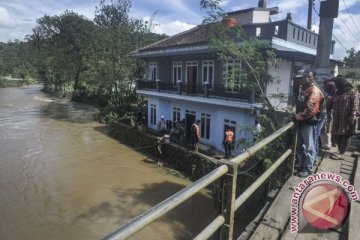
{"x": 345, "y": 106}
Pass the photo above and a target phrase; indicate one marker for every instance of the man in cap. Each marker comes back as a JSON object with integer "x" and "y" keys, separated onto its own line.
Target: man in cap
{"x": 307, "y": 115}
{"x": 161, "y": 126}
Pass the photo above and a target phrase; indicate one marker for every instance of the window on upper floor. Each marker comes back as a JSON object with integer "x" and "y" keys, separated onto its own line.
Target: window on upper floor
{"x": 152, "y": 71}
{"x": 208, "y": 72}
{"x": 276, "y": 30}
{"x": 232, "y": 75}
{"x": 258, "y": 32}
{"x": 177, "y": 72}
{"x": 294, "y": 33}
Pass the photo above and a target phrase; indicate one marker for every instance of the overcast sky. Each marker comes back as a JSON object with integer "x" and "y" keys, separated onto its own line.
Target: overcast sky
{"x": 18, "y": 17}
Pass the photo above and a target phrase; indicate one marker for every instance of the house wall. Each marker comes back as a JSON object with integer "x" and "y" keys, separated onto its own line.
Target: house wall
{"x": 252, "y": 17}
{"x": 261, "y": 16}
{"x": 244, "y": 18}
{"x": 243, "y": 118}
{"x": 281, "y": 83}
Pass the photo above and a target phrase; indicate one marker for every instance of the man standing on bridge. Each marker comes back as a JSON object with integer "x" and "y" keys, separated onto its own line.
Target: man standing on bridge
{"x": 307, "y": 115}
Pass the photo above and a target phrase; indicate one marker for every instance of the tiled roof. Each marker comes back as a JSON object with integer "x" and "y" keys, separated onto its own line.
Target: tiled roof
{"x": 193, "y": 36}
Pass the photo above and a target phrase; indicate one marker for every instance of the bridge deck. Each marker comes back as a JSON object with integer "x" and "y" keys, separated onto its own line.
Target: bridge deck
{"x": 275, "y": 224}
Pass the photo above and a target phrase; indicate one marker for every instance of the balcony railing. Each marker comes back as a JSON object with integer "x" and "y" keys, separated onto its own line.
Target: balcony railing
{"x": 199, "y": 90}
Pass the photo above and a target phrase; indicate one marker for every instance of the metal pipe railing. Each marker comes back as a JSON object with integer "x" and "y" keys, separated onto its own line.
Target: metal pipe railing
{"x": 250, "y": 151}
{"x": 168, "y": 204}
{"x": 211, "y": 228}
{"x": 250, "y": 190}
{"x": 217, "y": 222}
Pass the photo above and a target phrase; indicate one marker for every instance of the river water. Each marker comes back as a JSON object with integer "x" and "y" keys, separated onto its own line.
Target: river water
{"x": 62, "y": 177}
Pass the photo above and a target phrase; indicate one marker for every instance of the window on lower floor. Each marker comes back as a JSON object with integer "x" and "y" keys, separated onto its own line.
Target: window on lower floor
{"x": 152, "y": 114}
{"x": 176, "y": 114}
{"x": 205, "y": 125}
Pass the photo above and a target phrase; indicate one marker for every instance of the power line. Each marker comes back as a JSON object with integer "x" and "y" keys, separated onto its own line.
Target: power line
{"x": 344, "y": 34}
{"x": 351, "y": 16}
{"x": 317, "y": 13}
{"x": 337, "y": 26}
{"x": 339, "y": 42}
{"x": 348, "y": 27}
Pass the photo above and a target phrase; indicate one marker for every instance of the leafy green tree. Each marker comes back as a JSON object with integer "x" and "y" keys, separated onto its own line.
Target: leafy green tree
{"x": 353, "y": 59}
{"x": 61, "y": 43}
{"x": 119, "y": 36}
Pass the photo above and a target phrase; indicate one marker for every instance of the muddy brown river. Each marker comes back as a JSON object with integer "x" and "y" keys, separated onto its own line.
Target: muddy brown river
{"x": 62, "y": 177}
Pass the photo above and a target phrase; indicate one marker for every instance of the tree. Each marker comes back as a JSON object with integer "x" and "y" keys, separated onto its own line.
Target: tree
{"x": 254, "y": 54}
{"x": 353, "y": 59}
{"x": 119, "y": 36}
{"x": 61, "y": 43}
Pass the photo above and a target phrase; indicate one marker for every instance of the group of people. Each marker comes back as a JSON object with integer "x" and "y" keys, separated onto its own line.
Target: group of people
{"x": 176, "y": 129}
{"x": 332, "y": 112}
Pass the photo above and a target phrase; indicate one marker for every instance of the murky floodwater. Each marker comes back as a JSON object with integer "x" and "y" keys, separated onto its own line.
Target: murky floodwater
{"x": 62, "y": 177}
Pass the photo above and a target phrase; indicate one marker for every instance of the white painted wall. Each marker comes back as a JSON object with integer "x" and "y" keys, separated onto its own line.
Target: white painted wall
{"x": 242, "y": 117}
{"x": 281, "y": 74}
{"x": 252, "y": 17}
{"x": 261, "y": 16}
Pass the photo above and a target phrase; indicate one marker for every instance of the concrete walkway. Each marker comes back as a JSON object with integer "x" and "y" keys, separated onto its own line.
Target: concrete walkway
{"x": 276, "y": 222}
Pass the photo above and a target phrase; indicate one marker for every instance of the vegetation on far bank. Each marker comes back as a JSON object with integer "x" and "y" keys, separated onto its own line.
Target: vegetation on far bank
{"x": 86, "y": 60}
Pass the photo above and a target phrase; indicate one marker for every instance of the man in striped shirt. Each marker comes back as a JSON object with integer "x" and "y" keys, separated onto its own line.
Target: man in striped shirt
{"x": 307, "y": 115}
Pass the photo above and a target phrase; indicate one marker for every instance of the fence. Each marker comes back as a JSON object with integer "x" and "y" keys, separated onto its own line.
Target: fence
{"x": 226, "y": 218}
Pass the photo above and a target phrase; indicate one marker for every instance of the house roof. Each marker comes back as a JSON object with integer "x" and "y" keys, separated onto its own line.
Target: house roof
{"x": 274, "y": 10}
{"x": 197, "y": 35}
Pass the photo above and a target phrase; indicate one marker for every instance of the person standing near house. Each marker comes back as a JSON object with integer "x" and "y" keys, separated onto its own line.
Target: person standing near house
{"x": 345, "y": 107}
{"x": 257, "y": 131}
{"x": 195, "y": 135}
{"x": 325, "y": 135}
{"x": 161, "y": 126}
{"x": 182, "y": 133}
{"x": 228, "y": 141}
{"x": 307, "y": 109}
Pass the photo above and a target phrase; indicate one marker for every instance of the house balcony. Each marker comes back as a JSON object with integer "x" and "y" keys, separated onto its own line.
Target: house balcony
{"x": 216, "y": 93}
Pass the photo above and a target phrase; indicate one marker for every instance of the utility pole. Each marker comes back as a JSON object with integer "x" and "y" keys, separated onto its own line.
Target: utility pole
{"x": 309, "y": 20}
{"x": 328, "y": 11}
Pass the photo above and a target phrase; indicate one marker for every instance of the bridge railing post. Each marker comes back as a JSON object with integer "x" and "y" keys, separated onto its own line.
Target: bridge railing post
{"x": 293, "y": 159}
{"x": 227, "y": 231}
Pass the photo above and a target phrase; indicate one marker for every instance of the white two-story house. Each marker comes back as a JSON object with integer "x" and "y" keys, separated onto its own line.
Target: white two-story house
{"x": 185, "y": 78}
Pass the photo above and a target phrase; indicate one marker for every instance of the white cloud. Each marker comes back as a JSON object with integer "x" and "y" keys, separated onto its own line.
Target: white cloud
{"x": 171, "y": 28}
{"x": 224, "y": 3}
{"x": 5, "y": 19}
